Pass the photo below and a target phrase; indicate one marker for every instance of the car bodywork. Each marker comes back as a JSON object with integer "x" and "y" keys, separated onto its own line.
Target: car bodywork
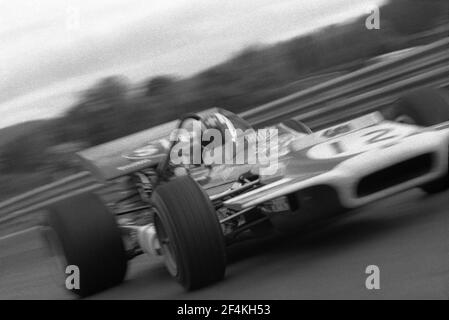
{"x": 365, "y": 164}
{"x": 348, "y": 165}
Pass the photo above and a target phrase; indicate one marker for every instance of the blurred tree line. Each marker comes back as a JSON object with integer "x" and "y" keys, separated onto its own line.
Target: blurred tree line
{"x": 113, "y": 107}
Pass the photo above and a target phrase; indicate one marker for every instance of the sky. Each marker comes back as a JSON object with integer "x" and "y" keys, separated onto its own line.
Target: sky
{"x": 53, "y": 49}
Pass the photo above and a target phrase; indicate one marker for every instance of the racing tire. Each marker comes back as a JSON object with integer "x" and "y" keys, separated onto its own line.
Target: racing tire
{"x": 87, "y": 235}
{"x": 190, "y": 235}
{"x": 426, "y": 107}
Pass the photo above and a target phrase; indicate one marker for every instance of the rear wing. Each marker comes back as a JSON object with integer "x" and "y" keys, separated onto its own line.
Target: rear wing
{"x": 112, "y": 159}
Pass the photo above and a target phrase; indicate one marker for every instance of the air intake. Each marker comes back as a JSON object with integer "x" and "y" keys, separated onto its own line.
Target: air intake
{"x": 395, "y": 175}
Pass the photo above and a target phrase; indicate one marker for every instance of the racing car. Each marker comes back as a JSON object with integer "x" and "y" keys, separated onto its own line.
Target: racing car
{"x": 189, "y": 213}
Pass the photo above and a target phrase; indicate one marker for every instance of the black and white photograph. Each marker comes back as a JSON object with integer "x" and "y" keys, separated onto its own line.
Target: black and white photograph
{"x": 224, "y": 154}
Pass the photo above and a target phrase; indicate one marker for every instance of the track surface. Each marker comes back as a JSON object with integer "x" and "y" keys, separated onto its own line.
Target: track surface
{"x": 407, "y": 237}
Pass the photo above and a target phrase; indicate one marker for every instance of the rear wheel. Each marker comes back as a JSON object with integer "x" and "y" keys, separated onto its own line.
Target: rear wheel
{"x": 191, "y": 238}
{"x": 88, "y": 236}
{"x": 424, "y": 107}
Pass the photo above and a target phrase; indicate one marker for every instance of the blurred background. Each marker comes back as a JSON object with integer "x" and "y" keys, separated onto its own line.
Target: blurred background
{"x": 74, "y": 73}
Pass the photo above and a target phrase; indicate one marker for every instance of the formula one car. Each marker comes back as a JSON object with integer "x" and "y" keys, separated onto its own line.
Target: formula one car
{"x": 188, "y": 212}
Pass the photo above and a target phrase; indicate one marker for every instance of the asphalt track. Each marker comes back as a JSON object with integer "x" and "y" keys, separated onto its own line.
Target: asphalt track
{"x": 406, "y": 236}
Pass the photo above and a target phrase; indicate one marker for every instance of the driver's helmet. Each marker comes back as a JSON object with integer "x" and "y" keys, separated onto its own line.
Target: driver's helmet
{"x": 227, "y": 123}
{"x": 229, "y": 126}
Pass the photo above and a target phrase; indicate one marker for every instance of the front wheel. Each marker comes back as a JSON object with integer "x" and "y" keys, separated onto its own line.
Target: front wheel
{"x": 190, "y": 235}
{"x": 424, "y": 107}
